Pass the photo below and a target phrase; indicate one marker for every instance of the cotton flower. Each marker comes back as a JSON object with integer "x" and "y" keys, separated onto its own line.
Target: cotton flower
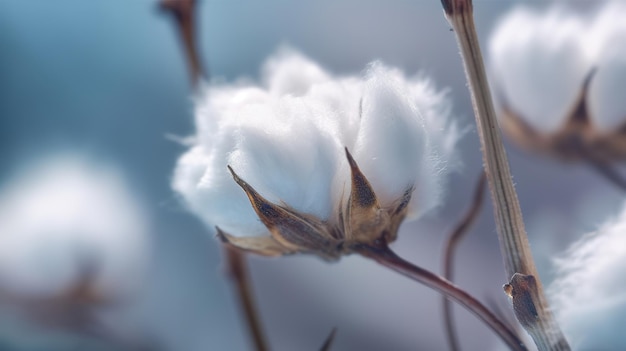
{"x": 66, "y": 224}
{"x": 589, "y": 295}
{"x": 558, "y": 78}
{"x": 318, "y": 162}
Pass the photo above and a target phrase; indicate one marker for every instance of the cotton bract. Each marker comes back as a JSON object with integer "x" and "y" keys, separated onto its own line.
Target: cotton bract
{"x": 289, "y": 143}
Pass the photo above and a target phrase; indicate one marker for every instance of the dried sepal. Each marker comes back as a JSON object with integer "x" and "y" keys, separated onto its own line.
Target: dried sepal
{"x": 293, "y": 230}
{"x": 260, "y": 245}
{"x": 365, "y": 218}
{"x": 397, "y": 212}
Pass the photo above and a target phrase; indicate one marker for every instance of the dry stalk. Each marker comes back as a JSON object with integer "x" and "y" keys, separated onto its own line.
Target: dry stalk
{"x": 514, "y": 246}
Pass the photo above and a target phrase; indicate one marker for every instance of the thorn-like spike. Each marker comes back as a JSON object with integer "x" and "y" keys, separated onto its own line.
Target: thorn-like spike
{"x": 261, "y": 245}
{"x": 293, "y": 230}
{"x": 362, "y": 194}
{"x": 364, "y": 221}
{"x": 329, "y": 340}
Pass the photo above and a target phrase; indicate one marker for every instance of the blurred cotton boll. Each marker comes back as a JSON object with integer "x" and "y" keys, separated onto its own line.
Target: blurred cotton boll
{"x": 69, "y": 224}
{"x": 558, "y": 78}
{"x": 589, "y": 294}
{"x": 286, "y": 139}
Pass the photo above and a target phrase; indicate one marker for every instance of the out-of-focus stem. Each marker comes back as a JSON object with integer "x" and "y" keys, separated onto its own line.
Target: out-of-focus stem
{"x": 448, "y": 257}
{"x": 238, "y": 270}
{"x": 183, "y": 12}
{"x": 385, "y": 256}
{"x": 328, "y": 343}
{"x": 511, "y": 232}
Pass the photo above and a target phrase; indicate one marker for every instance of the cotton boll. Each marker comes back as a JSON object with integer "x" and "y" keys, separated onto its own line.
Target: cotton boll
{"x": 539, "y": 65}
{"x": 391, "y": 146}
{"x": 286, "y": 137}
{"x": 589, "y": 294}
{"x": 64, "y": 216}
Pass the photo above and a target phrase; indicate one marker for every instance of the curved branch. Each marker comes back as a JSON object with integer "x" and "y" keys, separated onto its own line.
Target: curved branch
{"x": 386, "y": 257}
{"x": 448, "y": 257}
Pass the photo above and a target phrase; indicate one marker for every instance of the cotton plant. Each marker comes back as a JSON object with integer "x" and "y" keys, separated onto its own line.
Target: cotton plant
{"x": 558, "y": 77}
{"x": 320, "y": 163}
{"x": 589, "y": 294}
{"x": 70, "y": 230}
{"x": 308, "y": 162}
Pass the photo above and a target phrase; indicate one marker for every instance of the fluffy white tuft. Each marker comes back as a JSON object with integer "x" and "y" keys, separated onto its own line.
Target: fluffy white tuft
{"x": 286, "y": 138}
{"x": 62, "y": 213}
{"x": 540, "y": 61}
{"x": 589, "y": 295}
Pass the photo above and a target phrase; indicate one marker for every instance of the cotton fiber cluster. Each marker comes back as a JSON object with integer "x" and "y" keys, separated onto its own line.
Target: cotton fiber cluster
{"x": 63, "y": 218}
{"x": 589, "y": 295}
{"x": 286, "y": 136}
{"x": 539, "y": 62}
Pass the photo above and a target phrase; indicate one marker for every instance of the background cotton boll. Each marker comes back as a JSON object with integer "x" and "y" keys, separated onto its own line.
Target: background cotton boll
{"x": 290, "y": 73}
{"x": 64, "y": 216}
{"x": 539, "y": 65}
{"x": 590, "y": 292}
{"x": 391, "y": 147}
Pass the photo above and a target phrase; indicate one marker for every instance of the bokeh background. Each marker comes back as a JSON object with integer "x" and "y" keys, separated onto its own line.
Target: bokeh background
{"x": 107, "y": 80}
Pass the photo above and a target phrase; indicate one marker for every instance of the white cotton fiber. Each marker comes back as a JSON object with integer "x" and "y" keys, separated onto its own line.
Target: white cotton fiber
{"x": 286, "y": 139}
{"x": 589, "y": 295}
{"x": 391, "y": 146}
{"x": 65, "y": 212}
{"x": 539, "y": 65}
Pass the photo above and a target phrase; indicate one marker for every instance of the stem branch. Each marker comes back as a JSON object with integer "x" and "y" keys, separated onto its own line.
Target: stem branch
{"x": 385, "y": 256}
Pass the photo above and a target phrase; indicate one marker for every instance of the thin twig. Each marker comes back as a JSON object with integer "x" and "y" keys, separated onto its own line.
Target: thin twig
{"x": 238, "y": 270}
{"x": 511, "y": 232}
{"x": 329, "y": 340}
{"x": 448, "y": 257}
{"x": 183, "y": 12}
{"x": 385, "y": 256}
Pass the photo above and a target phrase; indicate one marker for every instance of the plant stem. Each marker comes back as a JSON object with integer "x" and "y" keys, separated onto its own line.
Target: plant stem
{"x": 448, "y": 258}
{"x": 385, "y": 256}
{"x": 511, "y": 232}
{"x": 328, "y": 343}
{"x": 183, "y": 12}
{"x": 238, "y": 269}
